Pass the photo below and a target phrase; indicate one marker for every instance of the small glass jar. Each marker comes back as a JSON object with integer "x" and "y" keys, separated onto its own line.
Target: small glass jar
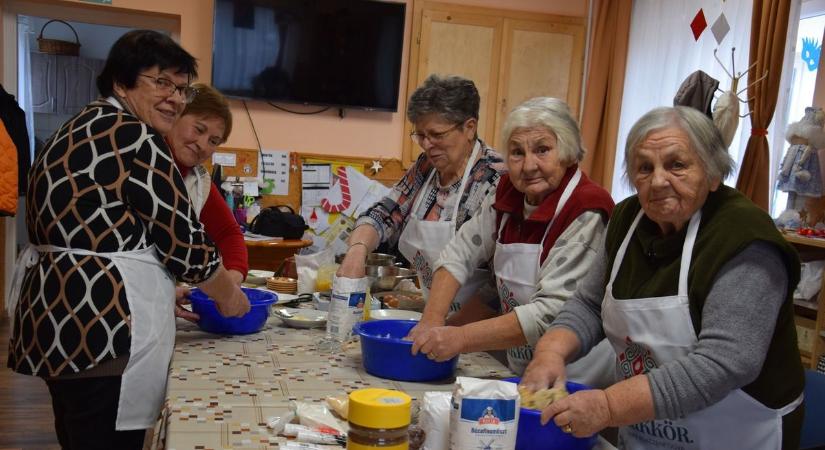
{"x": 378, "y": 419}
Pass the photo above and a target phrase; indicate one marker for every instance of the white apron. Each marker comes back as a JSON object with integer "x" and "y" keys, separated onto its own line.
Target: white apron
{"x": 198, "y": 185}
{"x": 517, "y": 284}
{"x": 421, "y": 241}
{"x": 150, "y": 292}
{"x": 649, "y": 332}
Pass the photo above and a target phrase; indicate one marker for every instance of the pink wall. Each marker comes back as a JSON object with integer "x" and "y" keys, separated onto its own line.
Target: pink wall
{"x": 360, "y": 133}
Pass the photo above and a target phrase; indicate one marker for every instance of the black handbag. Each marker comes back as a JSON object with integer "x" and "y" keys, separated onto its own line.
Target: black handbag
{"x": 274, "y": 221}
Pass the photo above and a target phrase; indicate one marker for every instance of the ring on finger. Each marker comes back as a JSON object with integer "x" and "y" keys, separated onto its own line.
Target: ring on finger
{"x": 432, "y": 355}
{"x": 567, "y": 428}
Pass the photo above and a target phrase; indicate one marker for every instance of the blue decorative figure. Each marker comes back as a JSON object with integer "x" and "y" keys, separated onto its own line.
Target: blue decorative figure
{"x": 811, "y": 50}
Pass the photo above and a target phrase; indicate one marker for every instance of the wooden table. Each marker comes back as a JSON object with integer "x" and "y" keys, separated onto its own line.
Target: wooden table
{"x": 268, "y": 255}
{"x": 222, "y": 390}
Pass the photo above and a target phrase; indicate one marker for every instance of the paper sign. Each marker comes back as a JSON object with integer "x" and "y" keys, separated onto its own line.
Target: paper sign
{"x": 250, "y": 188}
{"x": 315, "y": 183}
{"x": 224, "y": 159}
{"x": 275, "y": 168}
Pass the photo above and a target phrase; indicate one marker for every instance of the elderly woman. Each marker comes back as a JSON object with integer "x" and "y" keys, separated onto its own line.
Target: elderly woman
{"x": 538, "y": 230}
{"x": 205, "y": 124}
{"x": 440, "y": 192}
{"x": 693, "y": 288}
{"x": 111, "y": 228}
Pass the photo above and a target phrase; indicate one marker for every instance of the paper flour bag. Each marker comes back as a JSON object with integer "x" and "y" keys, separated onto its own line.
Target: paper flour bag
{"x": 484, "y": 414}
{"x": 435, "y": 420}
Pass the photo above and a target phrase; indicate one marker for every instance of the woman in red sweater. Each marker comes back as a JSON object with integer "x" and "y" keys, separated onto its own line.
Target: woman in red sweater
{"x": 203, "y": 126}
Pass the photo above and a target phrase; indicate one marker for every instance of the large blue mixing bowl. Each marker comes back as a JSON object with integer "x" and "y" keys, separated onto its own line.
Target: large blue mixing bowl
{"x": 213, "y": 322}
{"x": 533, "y": 436}
{"x": 387, "y": 355}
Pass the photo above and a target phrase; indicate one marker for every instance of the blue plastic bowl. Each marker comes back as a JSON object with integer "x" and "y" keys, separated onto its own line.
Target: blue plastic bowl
{"x": 533, "y": 436}
{"x": 213, "y": 322}
{"x": 387, "y": 355}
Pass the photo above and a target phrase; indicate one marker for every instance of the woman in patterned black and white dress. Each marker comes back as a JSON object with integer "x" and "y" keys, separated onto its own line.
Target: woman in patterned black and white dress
{"x": 111, "y": 227}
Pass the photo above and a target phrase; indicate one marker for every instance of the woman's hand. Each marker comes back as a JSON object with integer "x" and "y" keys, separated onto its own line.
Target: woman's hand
{"x": 581, "y": 414}
{"x": 440, "y": 343}
{"x": 236, "y": 305}
{"x": 546, "y": 369}
{"x": 423, "y": 325}
{"x": 182, "y": 298}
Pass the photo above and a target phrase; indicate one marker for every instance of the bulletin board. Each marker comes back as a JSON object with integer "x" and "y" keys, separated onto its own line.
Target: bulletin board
{"x": 246, "y": 162}
{"x": 391, "y": 172}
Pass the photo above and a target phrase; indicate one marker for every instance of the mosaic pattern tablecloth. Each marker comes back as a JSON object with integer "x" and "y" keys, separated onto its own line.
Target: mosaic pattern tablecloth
{"x": 222, "y": 389}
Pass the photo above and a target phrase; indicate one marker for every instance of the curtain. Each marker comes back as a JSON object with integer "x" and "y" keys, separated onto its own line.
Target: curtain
{"x": 769, "y": 29}
{"x": 605, "y": 81}
{"x": 662, "y": 53}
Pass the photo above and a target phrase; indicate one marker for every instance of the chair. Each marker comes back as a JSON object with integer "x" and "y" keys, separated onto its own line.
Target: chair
{"x": 813, "y": 428}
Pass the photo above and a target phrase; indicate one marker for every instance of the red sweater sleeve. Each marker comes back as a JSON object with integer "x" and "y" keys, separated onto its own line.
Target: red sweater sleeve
{"x": 221, "y": 227}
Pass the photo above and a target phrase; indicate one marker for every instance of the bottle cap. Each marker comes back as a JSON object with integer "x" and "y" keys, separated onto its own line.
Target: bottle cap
{"x": 379, "y": 408}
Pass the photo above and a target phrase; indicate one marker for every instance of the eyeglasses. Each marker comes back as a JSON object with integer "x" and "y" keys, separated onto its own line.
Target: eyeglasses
{"x": 168, "y": 87}
{"x": 434, "y": 138}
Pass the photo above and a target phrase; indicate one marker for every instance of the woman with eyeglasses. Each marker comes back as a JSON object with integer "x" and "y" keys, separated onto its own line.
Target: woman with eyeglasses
{"x": 205, "y": 124}
{"x": 111, "y": 229}
{"x": 439, "y": 193}
{"x": 540, "y": 230}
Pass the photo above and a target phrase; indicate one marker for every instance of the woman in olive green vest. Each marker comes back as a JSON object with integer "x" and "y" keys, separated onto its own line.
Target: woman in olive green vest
{"x": 693, "y": 288}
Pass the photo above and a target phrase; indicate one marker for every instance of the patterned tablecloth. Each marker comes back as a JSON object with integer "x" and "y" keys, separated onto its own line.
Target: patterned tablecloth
{"x": 222, "y": 389}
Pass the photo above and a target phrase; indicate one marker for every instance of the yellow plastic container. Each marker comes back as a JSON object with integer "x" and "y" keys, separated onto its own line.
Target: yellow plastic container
{"x": 378, "y": 419}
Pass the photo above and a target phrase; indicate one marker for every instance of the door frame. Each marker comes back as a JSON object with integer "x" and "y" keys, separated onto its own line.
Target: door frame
{"x": 68, "y": 11}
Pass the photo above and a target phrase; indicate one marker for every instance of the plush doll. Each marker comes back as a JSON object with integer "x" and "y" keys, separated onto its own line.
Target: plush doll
{"x": 800, "y": 172}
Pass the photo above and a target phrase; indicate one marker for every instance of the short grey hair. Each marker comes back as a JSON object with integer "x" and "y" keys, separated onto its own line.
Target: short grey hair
{"x": 454, "y": 98}
{"x": 552, "y": 114}
{"x": 705, "y": 138}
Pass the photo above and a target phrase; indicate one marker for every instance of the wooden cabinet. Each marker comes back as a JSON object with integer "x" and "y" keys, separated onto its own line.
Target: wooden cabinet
{"x": 63, "y": 84}
{"x": 810, "y": 318}
{"x": 511, "y": 56}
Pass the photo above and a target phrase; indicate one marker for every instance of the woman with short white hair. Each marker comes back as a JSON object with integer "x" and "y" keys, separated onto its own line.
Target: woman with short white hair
{"x": 538, "y": 231}
{"x": 693, "y": 288}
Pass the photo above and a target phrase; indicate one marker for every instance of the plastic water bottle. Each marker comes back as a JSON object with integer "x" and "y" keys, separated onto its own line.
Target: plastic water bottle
{"x": 346, "y": 305}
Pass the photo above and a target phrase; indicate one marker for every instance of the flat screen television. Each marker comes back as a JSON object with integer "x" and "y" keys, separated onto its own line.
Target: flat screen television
{"x": 342, "y": 53}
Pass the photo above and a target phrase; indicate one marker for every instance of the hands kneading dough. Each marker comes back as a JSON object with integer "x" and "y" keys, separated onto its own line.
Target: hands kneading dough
{"x": 540, "y": 399}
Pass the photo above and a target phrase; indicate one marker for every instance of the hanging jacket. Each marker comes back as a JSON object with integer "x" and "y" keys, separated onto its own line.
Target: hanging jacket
{"x": 15, "y": 121}
{"x": 8, "y": 173}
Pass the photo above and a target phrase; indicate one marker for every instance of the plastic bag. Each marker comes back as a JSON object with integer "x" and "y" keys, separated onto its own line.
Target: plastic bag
{"x": 307, "y": 268}
{"x": 810, "y": 280}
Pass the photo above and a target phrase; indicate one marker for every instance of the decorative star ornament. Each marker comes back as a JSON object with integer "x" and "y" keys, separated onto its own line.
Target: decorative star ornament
{"x": 376, "y": 167}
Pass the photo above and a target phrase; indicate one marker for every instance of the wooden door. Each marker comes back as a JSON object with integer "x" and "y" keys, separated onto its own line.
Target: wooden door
{"x": 76, "y": 82}
{"x": 542, "y": 57}
{"x": 456, "y": 43}
{"x": 43, "y": 82}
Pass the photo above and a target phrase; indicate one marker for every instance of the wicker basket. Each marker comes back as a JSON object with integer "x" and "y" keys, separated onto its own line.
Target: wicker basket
{"x": 58, "y": 47}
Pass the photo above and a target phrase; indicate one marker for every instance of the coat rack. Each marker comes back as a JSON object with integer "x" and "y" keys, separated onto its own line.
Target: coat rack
{"x": 735, "y": 77}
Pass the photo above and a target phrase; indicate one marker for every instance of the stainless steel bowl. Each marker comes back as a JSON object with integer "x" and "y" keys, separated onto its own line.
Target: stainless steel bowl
{"x": 384, "y": 278}
{"x": 373, "y": 259}
{"x": 380, "y": 259}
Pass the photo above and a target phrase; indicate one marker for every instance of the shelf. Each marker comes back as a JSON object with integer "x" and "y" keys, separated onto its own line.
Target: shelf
{"x": 797, "y": 239}
{"x": 805, "y": 304}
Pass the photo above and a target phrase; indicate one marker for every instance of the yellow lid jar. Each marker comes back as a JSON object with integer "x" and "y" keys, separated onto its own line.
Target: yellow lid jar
{"x": 378, "y": 419}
